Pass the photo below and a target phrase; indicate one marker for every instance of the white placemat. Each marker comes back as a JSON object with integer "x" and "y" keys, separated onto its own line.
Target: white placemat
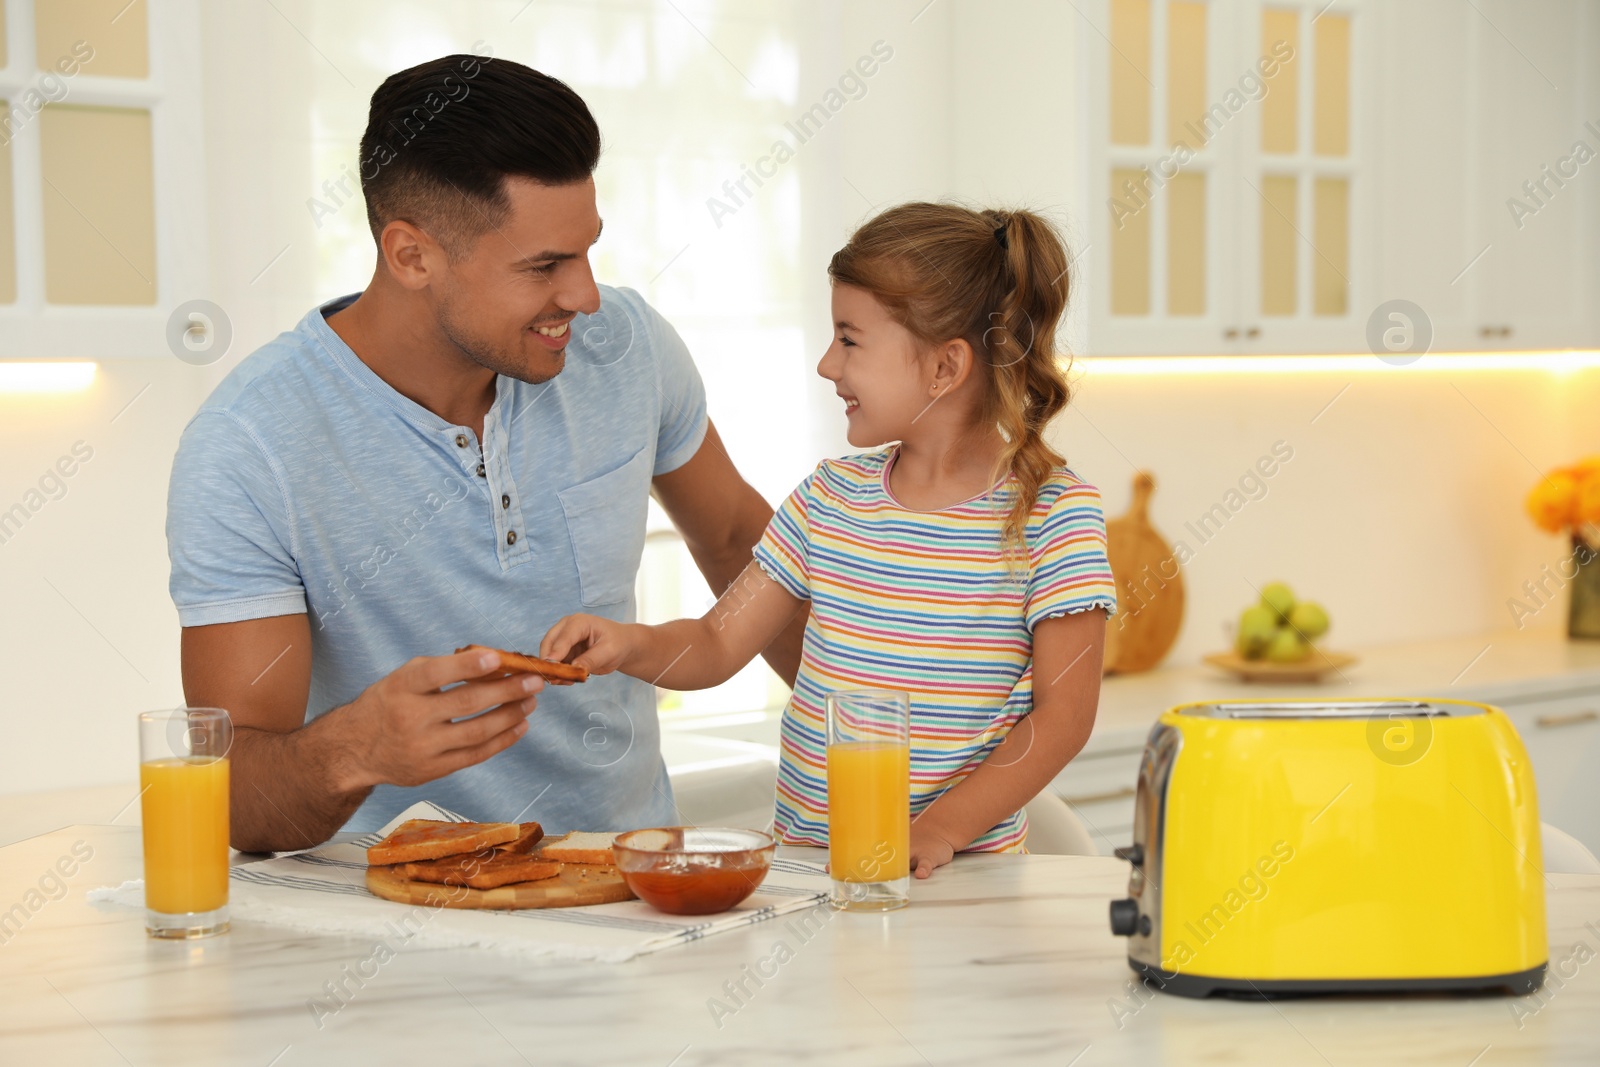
{"x": 323, "y": 890}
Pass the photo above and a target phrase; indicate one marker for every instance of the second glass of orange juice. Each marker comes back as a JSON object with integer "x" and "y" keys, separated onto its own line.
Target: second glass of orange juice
{"x": 183, "y": 779}
{"x": 869, "y": 799}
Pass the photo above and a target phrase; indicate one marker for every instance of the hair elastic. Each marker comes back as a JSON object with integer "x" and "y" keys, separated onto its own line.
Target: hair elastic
{"x": 1000, "y": 235}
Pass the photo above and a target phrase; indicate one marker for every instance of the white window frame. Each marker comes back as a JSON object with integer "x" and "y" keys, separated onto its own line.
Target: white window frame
{"x": 32, "y": 328}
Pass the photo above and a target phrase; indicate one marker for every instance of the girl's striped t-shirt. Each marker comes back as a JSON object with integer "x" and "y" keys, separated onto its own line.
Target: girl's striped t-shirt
{"x": 925, "y": 603}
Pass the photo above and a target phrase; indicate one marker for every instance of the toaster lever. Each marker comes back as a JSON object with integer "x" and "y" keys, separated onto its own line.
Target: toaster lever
{"x": 1124, "y": 917}
{"x": 1134, "y": 854}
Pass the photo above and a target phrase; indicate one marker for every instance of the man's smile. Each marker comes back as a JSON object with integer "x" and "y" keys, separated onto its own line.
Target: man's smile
{"x": 552, "y": 335}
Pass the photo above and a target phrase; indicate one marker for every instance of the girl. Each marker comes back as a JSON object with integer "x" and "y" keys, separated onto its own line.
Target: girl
{"x": 964, "y": 563}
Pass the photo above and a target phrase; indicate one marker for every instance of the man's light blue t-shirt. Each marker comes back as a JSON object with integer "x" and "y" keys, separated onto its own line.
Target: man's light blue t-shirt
{"x": 305, "y": 484}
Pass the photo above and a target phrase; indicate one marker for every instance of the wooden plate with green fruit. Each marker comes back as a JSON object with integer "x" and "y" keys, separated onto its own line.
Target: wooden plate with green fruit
{"x": 1276, "y": 641}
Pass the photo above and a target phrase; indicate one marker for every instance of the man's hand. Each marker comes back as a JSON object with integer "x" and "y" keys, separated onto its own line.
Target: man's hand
{"x": 402, "y": 729}
{"x": 295, "y": 783}
{"x": 602, "y": 645}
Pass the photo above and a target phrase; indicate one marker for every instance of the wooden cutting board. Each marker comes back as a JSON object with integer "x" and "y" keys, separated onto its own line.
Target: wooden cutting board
{"x": 578, "y": 884}
{"x": 1149, "y": 587}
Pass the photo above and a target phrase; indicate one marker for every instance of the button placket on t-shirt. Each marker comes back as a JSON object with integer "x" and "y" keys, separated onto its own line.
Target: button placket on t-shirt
{"x": 512, "y": 544}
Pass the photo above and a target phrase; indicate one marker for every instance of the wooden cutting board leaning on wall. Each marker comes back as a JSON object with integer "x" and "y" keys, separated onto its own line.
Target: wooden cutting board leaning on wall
{"x": 1149, "y": 587}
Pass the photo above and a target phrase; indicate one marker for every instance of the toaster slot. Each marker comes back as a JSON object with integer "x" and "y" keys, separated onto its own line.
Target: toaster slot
{"x": 1331, "y": 709}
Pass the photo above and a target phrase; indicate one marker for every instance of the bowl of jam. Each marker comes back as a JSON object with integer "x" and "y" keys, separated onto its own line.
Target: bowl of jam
{"x": 693, "y": 870}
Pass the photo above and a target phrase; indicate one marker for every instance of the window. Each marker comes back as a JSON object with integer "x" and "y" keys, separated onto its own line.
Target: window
{"x": 689, "y": 97}
{"x": 99, "y": 176}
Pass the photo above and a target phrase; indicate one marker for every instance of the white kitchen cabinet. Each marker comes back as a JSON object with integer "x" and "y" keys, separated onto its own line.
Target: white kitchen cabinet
{"x": 1229, "y": 147}
{"x": 1426, "y": 234}
{"x": 1278, "y": 238}
{"x": 1534, "y": 285}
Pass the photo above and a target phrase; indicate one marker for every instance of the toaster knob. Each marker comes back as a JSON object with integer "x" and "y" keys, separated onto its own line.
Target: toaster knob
{"x": 1124, "y": 917}
{"x": 1134, "y": 854}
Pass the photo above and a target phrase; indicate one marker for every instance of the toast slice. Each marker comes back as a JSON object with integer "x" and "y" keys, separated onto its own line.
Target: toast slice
{"x": 483, "y": 870}
{"x": 580, "y": 846}
{"x": 532, "y": 834}
{"x": 548, "y": 669}
{"x": 428, "y": 839}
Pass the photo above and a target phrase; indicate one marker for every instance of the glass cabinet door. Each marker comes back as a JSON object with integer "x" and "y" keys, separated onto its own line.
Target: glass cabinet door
{"x": 1162, "y": 220}
{"x": 1298, "y": 173}
{"x": 1226, "y": 165}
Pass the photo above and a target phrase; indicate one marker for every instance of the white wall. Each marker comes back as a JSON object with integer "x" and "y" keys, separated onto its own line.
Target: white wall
{"x": 1402, "y": 507}
{"x": 81, "y": 659}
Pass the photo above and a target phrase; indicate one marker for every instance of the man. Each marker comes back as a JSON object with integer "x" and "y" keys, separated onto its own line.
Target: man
{"x": 460, "y": 454}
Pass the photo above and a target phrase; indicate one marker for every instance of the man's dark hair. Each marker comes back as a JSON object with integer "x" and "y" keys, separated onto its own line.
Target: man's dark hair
{"x": 443, "y": 136}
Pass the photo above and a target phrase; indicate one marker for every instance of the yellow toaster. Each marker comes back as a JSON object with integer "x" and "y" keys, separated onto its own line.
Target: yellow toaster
{"x": 1307, "y": 846}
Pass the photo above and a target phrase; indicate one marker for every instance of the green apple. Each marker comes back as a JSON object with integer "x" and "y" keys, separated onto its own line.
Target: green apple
{"x": 1309, "y": 618}
{"x": 1256, "y": 628}
{"x": 1279, "y": 598}
{"x": 1287, "y": 647}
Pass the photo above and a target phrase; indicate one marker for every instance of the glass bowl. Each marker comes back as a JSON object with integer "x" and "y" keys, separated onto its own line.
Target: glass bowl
{"x": 693, "y": 870}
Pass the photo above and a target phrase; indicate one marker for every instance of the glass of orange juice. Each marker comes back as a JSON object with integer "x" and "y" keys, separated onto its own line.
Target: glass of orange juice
{"x": 183, "y": 780}
{"x": 869, "y": 799}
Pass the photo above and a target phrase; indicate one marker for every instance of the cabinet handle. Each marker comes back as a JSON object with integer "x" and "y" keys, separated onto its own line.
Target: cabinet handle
{"x": 1230, "y": 333}
{"x": 1486, "y": 331}
{"x": 1254, "y": 331}
{"x": 1095, "y": 798}
{"x": 1576, "y": 717}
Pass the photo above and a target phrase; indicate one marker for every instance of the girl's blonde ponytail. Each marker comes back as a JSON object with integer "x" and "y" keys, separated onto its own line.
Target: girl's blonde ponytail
{"x": 1000, "y": 280}
{"x": 1028, "y": 386}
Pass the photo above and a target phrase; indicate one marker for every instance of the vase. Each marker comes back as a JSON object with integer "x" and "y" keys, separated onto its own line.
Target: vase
{"x": 1583, "y": 612}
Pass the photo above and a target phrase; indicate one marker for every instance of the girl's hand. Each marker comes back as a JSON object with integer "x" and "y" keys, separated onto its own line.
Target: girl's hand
{"x": 598, "y": 644}
{"x": 928, "y": 849}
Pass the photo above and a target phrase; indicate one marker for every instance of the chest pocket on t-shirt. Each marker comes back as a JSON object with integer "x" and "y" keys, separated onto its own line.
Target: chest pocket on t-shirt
{"x": 605, "y": 519}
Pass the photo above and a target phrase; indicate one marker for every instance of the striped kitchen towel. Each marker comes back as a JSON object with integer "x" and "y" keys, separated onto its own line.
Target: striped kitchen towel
{"x": 323, "y": 890}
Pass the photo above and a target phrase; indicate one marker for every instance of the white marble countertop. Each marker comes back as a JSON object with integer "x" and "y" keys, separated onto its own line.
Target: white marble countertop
{"x": 1000, "y": 959}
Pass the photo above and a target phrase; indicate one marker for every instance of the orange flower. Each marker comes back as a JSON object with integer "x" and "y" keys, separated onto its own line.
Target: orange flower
{"x": 1586, "y": 469}
{"x": 1586, "y": 503}
{"x": 1551, "y": 503}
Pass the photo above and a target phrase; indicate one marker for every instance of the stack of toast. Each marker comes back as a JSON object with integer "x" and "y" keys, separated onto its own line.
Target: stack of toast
{"x": 488, "y": 855}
